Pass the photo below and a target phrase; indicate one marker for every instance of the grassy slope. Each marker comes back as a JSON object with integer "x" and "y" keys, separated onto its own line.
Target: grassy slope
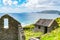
{"x": 29, "y": 33}
{"x": 54, "y": 35}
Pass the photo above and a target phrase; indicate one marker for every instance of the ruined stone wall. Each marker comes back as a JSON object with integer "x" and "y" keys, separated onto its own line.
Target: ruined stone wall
{"x": 42, "y": 28}
{"x": 12, "y": 32}
{"x": 53, "y": 26}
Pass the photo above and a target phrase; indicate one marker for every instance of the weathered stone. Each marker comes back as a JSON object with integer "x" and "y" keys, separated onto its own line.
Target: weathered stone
{"x": 12, "y": 32}
{"x": 45, "y": 25}
{"x": 21, "y": 34}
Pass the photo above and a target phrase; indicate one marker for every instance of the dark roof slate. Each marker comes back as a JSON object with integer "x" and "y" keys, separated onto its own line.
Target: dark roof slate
{"x": 45, "y": 22}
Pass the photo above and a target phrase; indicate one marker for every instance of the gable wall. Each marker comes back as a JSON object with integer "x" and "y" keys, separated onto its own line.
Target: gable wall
{"x": 41, "y": 28}
{"x": 53, "y": 26}
{"x": 12, "y": 32}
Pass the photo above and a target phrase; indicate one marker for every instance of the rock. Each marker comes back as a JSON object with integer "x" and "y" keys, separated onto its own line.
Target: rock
{"x": 34, "y": 38}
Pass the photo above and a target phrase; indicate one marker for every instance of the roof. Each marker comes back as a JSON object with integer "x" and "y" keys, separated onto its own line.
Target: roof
{"x": 6, "y": 15}
{"x": 45, "y": 22}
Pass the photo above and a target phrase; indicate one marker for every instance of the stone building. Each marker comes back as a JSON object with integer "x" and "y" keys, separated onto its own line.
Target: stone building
{"x": 12, "y": 31}
{"x": 45, "y": 25}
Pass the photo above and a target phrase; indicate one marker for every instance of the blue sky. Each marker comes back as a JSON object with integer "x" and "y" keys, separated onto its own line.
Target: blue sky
{"x": 22, "y": 9}
{"x": 18, "y": 6}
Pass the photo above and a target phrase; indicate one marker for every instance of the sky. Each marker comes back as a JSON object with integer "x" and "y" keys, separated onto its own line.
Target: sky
{"x": 22, "y": 10}
{"x": 18, "y": 6}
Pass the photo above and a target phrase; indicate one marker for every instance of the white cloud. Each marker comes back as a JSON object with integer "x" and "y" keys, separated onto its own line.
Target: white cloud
{"x": 37, "y": 5}
{"x": 14, "y": 10}
{"x": 22, "y": 9}
{"x": 31, "y": 6}
{"x": 15, "y": 2}
{"x": 31, "y": 3}
{"x": 7, "y": 2}
{"x": 10, "y": 2}
{"x": 41, "y": 3}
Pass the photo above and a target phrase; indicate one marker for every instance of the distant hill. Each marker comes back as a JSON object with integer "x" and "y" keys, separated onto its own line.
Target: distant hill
{"x": 50, "y": 11}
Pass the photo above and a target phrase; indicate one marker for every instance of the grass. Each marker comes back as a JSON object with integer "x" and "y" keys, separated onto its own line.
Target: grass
{"x": 29, "y": 34}
{"x": 28, "y": 31}
{"x": 54, "y": 35}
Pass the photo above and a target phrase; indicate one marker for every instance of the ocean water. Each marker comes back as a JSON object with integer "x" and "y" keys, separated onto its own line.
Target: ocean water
{"x": 31, "y": 18}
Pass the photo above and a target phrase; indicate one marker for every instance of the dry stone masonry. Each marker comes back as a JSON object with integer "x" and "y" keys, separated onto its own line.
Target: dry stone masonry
{"x": 14, "y": 31}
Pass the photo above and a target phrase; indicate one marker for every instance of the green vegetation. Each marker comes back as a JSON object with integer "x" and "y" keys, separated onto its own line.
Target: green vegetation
{"x": 28, "y": 27}
{"x": 54, "y": 35}
{"x": 58, "y": 21}
{"x": 29, "y": 32}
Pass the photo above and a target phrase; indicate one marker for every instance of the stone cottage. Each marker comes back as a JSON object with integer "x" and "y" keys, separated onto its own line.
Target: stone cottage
{"x": 45, "y": 25}
{"x": 11, "y": 30}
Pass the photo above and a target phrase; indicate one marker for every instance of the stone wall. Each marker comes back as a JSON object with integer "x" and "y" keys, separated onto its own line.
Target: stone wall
{"x": 53, "y": 26}
{"x": 12, "y": 32}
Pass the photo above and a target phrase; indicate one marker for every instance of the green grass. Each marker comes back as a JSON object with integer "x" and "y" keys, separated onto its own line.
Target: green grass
{"x": 29, "y": 34}
{"x": 28, "y": 31}
{"x": 54, "y": 35}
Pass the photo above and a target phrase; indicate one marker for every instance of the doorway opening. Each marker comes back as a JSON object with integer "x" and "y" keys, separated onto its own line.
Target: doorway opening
{"x": 45, "y": 31}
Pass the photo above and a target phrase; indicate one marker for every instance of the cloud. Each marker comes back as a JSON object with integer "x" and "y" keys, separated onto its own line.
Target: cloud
{"x": 14, "y": 10}
{"x": 38, "y": 5}
{"x": 15, "y": 2}
{"x": 26, "y": 9}
{"x": 31, "y": 6}
{"x": 4, "y": 2}
{"x": 35, "y": 3}
{"x": 7, "y": 2}
{"x": 10, "y": 2}
{"x": 42, "y": 3}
